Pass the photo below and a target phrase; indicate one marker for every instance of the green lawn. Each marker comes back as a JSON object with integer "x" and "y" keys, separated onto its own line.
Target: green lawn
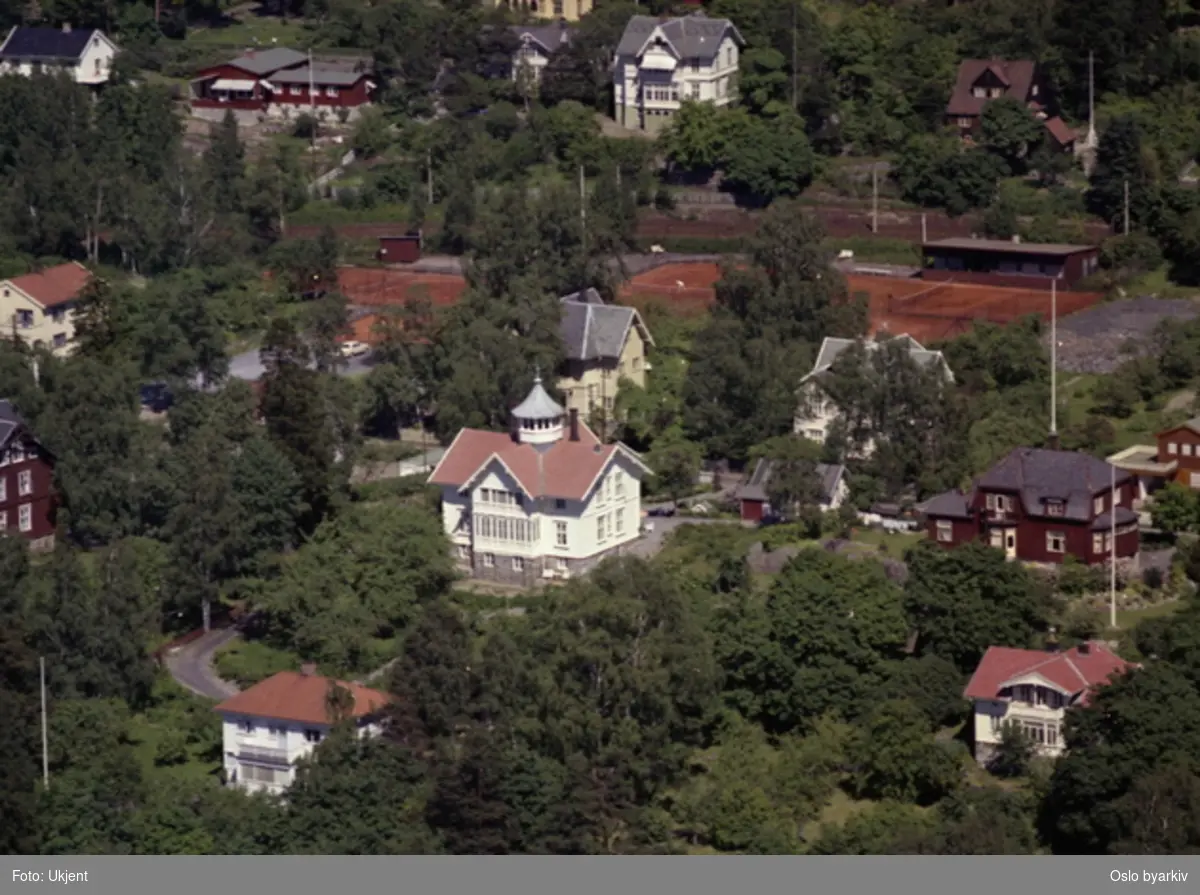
{"x": 1076, "y": 403}
{"x": 179, "y": 737}
{"x": 1128, "y": 619}
{"x": 246, "y": 662}
{"x": 895, "y": 544}
{"x": 251, "y": 30}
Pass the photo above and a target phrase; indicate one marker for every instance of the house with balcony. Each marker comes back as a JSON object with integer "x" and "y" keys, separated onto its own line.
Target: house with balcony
{"x": 568, "y": 10}
{"x": 268, "y": 728}
{"x": 662, "y": 63}
{"x": 1035, "y": 690}
{"x": 535, "y": 45}
{"x": 1173, "y": 458}
{"x": 546, "y": 500}
{"x": 86, "y": 55}
{"x": 39, "y": 308}
{"x": 27, "y": 495}
{"x": 1041, "y": 506}
{"x": 817, "y": 411}
{"x": 603, "y": 344}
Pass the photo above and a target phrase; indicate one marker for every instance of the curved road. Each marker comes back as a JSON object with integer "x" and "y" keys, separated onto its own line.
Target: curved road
{"x": 191, "y": 665}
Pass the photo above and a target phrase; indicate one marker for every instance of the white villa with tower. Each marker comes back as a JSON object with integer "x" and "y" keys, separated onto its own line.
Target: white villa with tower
{"x": 546, "y": 500}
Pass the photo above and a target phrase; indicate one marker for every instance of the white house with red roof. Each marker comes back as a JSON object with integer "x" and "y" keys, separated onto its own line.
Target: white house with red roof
{"x": 1035, "y": 689}
{"x": 278, "y": 721}
{"x": 39, "y": 307}
{"x": 546, "y": 500}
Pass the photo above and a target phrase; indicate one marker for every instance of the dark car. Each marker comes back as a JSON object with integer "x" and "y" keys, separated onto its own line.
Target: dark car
{"x": 156, "y": 397}
{"x": 661, "y": 511}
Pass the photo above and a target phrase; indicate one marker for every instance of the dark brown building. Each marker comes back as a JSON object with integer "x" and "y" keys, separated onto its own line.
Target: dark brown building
{"x": 404, "y": 249}
{"x": 996, "y": 262}
{"x": 981, "y": 80}
{"x": 1041, "y": 506}
{"x": 27, "y": 500}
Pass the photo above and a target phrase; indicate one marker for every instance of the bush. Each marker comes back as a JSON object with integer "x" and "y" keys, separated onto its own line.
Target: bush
{"x": 1152, "y": 578}
{"x": 172, "y": 749}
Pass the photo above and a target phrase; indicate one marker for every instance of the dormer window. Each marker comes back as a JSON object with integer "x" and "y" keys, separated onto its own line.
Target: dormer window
{"x": 1055, "y": 508}
{"x": 979, "y": 92}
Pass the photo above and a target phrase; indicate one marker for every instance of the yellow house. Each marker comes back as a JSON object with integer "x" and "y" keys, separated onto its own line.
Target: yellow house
{"x": 38, "y": 308}
{"x": 570, "y": 10}
{"x": 603, "y": 345}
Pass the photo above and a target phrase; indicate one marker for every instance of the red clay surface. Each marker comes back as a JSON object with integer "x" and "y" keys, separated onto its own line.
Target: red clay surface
{"x": 685, "y": 288}
{"x": 930, "y": 312}
{"x": 374, "y": 287}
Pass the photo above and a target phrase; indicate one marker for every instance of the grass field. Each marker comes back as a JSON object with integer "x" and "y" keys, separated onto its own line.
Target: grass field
{"x": 1076, "y": 402}
{"x": 178, "y": 738}
{"x": 252, "y": 30}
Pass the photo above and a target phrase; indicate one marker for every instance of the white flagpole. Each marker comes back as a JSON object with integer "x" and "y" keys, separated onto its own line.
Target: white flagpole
{"x": 45, "y": 737}
{"x": 1053, "y": 361}
{"x": 1112, "y": 550}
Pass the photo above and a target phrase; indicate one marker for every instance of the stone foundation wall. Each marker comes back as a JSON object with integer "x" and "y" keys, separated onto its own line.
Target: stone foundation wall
{"x": 502, "y": 571}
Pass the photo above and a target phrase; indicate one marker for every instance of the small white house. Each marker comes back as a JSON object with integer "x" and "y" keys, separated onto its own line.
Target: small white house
{"x": 1035, "y": 690}
{"x": 546, "y": 500}
{"x": 816, "y": 411}
{"x": 87, "y": 54}
{"x": 661, "y": 63}
{"x": 278, "y": 721}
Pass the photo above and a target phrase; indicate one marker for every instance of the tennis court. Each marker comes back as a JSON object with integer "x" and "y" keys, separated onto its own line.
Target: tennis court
{"x": 372, "y": 287}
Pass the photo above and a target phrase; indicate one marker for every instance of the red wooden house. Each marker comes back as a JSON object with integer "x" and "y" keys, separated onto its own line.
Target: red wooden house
{"x": 27, "y": 500}
{"x": 284, "y": 83}
{"x": 1040, "y": 506}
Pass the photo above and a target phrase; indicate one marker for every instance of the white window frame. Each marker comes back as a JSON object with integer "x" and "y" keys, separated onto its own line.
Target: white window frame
{"x": 463, "y": 552}
{"x": 1098, "y": 543}
{"x": 560, "y": 534}
{"x": 619, "y": 520}
{"x": 3, "y": 519}
{"x": 518, "y": 564}
{"x": 1056, "y": 536}
{"x": 1172, "y": 447}
{"x": 489, "y": 560}
{"x": 24, "y": 482}
{"x": 945, "y": 531}
{"x": 331, "y": 92}
{"x": 1194, "y": 479}
{"x": 1098, "y": 505}
{"x": 601, "y": 528}
{"x": 294, "y": 90}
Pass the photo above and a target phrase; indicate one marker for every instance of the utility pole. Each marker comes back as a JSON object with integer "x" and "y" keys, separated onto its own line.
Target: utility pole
{"x": 429, "y": 175}
{"x": 924, "y": 231}
{"x": 312, "y": 97}
{"x": 1091, "y": 136}
{"x": 1054, "y": 364}
{"x": 1112, "y": 548}
{"x": 795, "y": 90}
{"x": 874, "y": 198}
{"x": 1126, "y": 206}
{"x": 582, "y": 209}
{"x": 45, "y": 735}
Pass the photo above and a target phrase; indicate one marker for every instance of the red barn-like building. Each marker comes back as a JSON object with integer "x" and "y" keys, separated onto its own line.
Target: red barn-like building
{"x": 284, "y": 83}
{"x": 1041, "y": 506}
{"x": 27, "y": 500}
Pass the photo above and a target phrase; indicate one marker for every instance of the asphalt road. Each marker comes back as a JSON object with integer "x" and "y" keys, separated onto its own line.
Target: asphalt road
{"x": 249, "y": 367}
{"x": 191, "y": 665}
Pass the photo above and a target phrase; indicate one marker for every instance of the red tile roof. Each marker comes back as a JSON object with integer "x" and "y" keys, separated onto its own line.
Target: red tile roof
{"x": 54, "y": 285}
{"x": 1016, "y": 76}
{"x": 295, "y": 696}
{"x": 566, "y": 469}
{"x": 1074, "y": 671}
{"x": 1060, "y": 131}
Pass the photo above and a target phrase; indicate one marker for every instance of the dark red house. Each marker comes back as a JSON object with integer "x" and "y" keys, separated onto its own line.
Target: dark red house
{"x": 981, "y": 80}
{"x": 996, "y": 262}
{"x": 1039, "y": 506}
{"x": 281, "y": 82}
{"x": 404, "y": 249}
{"x": 27, "y": 499}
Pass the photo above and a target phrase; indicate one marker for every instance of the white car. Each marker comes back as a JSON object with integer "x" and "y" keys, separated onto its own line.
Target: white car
{"x": 354, "y": 349}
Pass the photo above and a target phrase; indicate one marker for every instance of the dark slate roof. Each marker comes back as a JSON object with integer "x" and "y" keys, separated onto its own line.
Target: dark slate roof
{"x": 45, "y": 43}
{"x": 1125, "y": 515}
{"x": 949, "y": 505}
{"x": 590, "y": 295}
{"x": 10, "y": 420}
{"x": 691, "y": 36}
{"x": 548, "y": 37}
{"x": 832, "y": 347}
{"x": 1038, "y": 475}
{"x": 756, "y": 486}
{"x": 264, "y": 62}
{"x": 595, "y": 331}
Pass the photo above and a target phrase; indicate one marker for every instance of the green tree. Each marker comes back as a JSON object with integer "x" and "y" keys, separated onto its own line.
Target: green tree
{"x": 1014, "y": 752}
{"x": 225, "y": 165}
{"x": 1123, "y": 158}
{"x": 1009, "y": 130}
{"x": 1176, "y": 509}
{"x": 897, "y": 758}
{"x": 769, "y": 158}
{"x": 269, "y": 497}
{"x": 676, "y": 464}
{"x": 18, "y": 688}
{"x": 964, "y": 600}
{"x": 695, "y": 140}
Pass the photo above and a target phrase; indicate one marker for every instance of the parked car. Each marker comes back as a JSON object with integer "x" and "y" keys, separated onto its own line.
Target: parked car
{"x": 354, "y": 349}
{"x": 661, "y": 511}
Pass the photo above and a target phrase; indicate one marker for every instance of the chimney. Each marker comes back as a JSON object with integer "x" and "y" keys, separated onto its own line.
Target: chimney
{"x": 1084, "y": 648}
{"x": 574, "y": 425}
{"x": 308, "y": 669}
{"x": 66, "y": 28}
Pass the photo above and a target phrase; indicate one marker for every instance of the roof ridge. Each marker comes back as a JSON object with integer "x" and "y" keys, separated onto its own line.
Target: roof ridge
{"x": 587, "y": 326}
